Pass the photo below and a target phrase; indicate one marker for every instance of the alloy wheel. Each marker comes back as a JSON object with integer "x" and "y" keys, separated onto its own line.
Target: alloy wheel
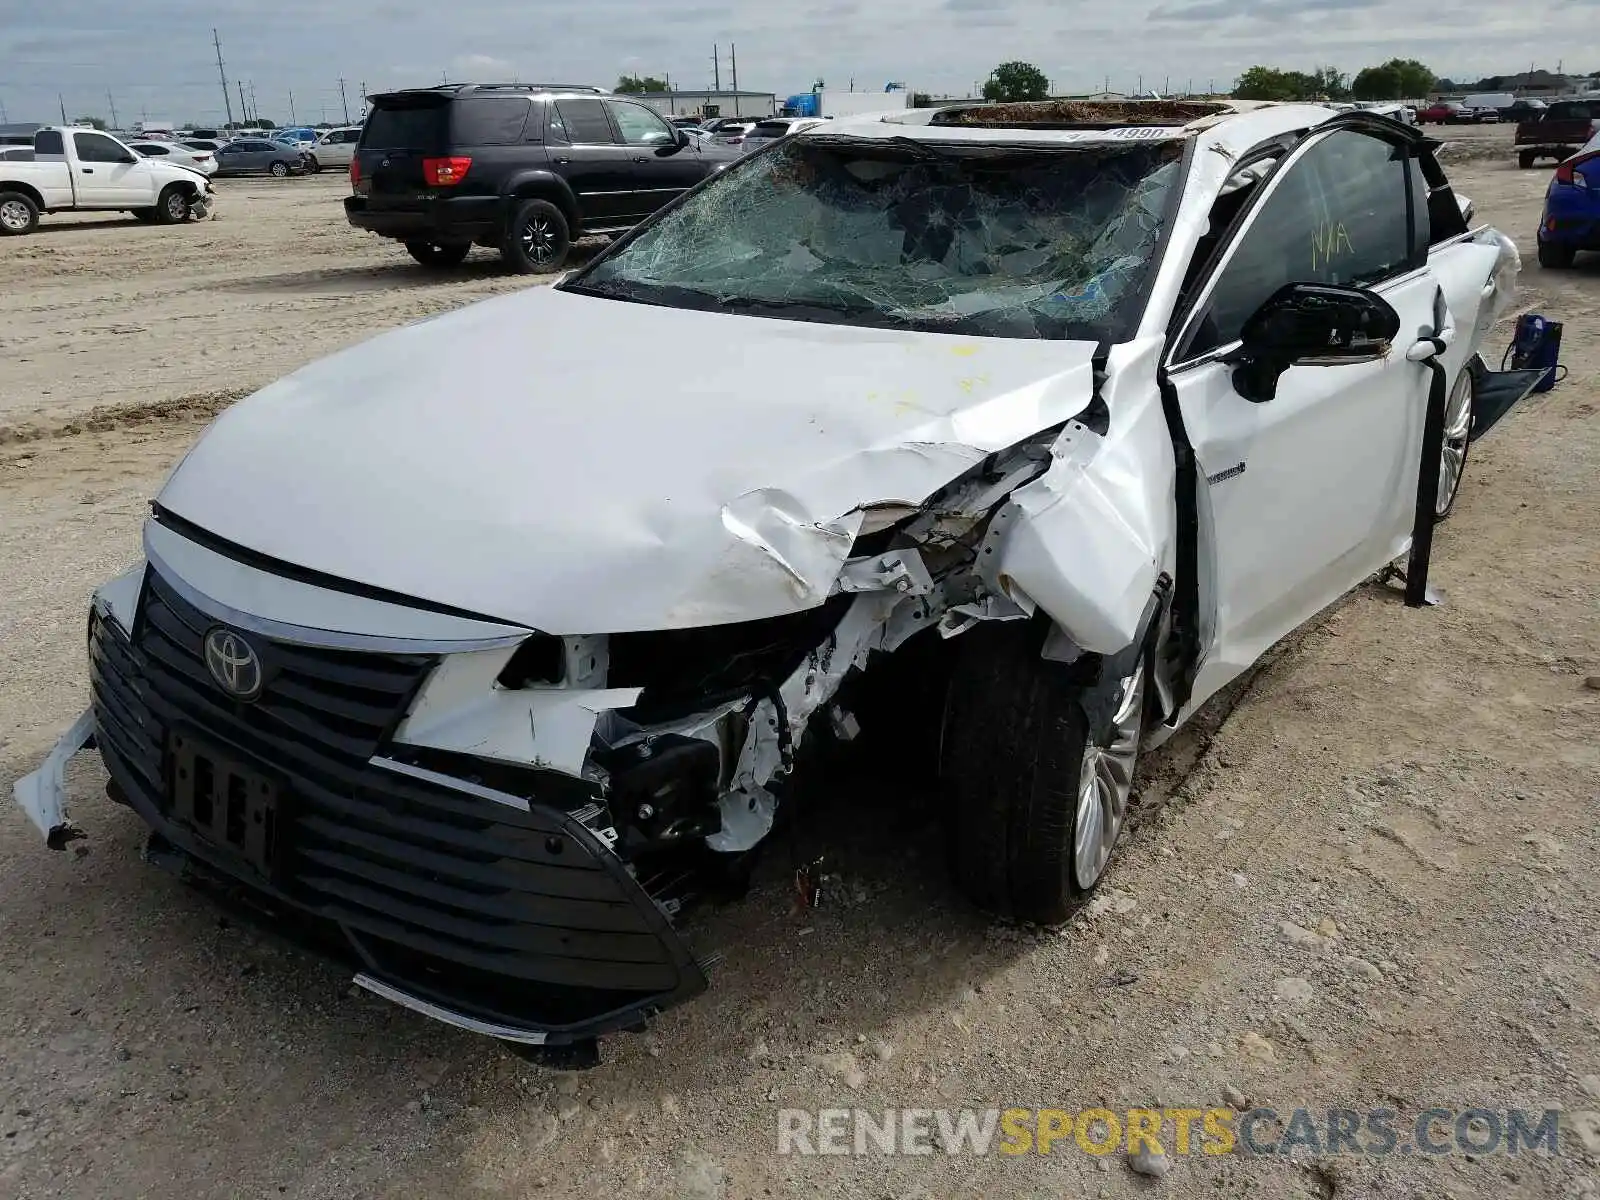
{"x": 1457, "y": 433}
{"x": 1105, "y": 782}
{"x": 177, "y": 206}
{"x": 539, "y": 239}
{"x": 14, "y": 215}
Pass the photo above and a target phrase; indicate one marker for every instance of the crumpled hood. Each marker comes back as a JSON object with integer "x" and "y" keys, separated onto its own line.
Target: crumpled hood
{"x": 581, "y": 465}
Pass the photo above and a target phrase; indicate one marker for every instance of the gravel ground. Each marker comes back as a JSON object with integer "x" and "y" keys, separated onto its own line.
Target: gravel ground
{"x": 1368, "y": 877}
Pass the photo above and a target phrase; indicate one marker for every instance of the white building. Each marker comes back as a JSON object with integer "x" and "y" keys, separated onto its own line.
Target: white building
{"x": 710, "y": 103}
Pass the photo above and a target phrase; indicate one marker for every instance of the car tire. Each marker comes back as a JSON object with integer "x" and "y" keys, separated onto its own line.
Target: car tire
{"x": 1035, "y": 803}
{"x": 18, "y": 214}
{"x": 172, "y": 206}
{"x": 438, "y": 255}
{"x": 1527, "y": 159}
{"x": 313, "y": 167}
{"x": 537, "y": 238}
{"x": 1556, "y": 258}
{"x": 279, "y": 170}
{"x": 1459, "y": 407}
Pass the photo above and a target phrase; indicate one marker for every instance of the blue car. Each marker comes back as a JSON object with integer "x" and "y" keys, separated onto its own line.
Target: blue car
{"x": 1571, "y": 219}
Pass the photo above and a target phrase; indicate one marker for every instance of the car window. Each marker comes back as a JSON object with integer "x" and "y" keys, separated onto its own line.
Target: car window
{"x": 639, "y": 126}
{"x": 1570, "y": 110}
{"x": 1338, "y": 214}
{"x": 96, "y": 147}
{"x": 151, "y": 148}
{"x": 49, "y": 142}
{"x": 488, "y": 120}
{"x": 585, "y": 122}
{"x": 406, "y": 127}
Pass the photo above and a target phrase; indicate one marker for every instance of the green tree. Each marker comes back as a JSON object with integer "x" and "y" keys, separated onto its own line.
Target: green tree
{"x": 640, "y": 83}
{"x": 1416, "y": 80}
{"x": 1377, "y": 83}
{"x": 921, "y": 100}
{"x": 1013, "y": 81}
{"x": 1329, "y": 82}
{"x": 1269, "y": 83}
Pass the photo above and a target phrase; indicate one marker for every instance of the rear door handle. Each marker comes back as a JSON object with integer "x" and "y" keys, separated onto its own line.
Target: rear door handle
{"x": 641, "y": 158}
{"x": 87, "y": 170}
{"x": 563, "y": 162}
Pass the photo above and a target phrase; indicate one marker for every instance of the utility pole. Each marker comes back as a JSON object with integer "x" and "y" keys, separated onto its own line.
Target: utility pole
{"x": 716, "y": 69}
{"x": 344, "y": 102}
{"x": 363, "y": 95}
{"x": 2, "y": 112}
{"x": 63, "y": 104}
{"x": 255, "y": 109}
{"x": 293, "y": 120}
{"x": 733, "y": 57}
{"x": 244, "y": 110}
{"x": 227, "y": 101}
{"x": 115, "y": 124}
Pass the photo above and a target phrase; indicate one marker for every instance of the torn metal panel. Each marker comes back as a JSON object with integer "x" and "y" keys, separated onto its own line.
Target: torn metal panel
{"x": 461, "y": 710}
{"x": 1094, "y": 532}
{"x": 43, "y": 793}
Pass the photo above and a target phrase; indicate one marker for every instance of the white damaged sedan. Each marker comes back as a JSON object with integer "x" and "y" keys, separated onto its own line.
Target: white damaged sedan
{"x": 466, "y": 650}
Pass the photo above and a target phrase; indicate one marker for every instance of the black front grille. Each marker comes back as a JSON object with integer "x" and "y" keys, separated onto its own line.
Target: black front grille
{"x": 344, "y": 701}
{"x": 518, "y": 917}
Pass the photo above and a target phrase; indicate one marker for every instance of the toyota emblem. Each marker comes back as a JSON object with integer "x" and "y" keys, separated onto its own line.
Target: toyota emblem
{"x": 234, "y": 664}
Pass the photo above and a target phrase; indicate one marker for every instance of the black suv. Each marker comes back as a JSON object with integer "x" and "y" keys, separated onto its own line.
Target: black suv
{"x": 522, "y": 168}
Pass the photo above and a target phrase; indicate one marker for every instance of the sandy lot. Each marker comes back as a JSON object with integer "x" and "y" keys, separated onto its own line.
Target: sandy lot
{"x": 1420, "y": 787}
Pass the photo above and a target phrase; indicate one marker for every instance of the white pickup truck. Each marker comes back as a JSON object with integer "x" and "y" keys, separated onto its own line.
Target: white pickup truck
{"x": 75, "y": 168}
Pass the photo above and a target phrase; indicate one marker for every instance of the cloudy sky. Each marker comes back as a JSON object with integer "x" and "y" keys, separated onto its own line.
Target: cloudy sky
{"x": 155, "y": 58}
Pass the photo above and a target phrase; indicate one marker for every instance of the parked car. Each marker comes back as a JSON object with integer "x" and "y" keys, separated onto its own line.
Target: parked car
{"x": 1564, "y": 128}
{"x": 76, "y": 168}
{"x": 732, "y": 134}
{"x": 458, "y": 655}
{"x": 764, "y": 133}
{"x": 335, "y": 148}
{"x": 522, "y": 168}
{"x": 209, "y": 145}
{"x": 16, "y": 153}
{"x": 258, "y": 156}
{"x": 1484, "y": 108}
{"x": 301, "y": 135}
{"x": 1570, "y": 222}
{"x": 1524, "y": 110}
{"x": 203, "y": 161}
{"x": 1444, "y": 113}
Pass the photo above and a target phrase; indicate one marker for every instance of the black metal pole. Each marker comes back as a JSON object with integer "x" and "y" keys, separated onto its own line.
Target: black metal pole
{"x": 1427, "y": 485}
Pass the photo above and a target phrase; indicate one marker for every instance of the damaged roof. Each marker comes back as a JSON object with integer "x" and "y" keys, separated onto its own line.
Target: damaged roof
{"x": 1082, "y": 114}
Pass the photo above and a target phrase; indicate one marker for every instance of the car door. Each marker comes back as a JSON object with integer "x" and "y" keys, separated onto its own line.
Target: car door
{"x": 109, "y": 175}
{"x": 661, "y": 169}
{"x": 1303, "y": 496}
{"x": 584, "y": 150}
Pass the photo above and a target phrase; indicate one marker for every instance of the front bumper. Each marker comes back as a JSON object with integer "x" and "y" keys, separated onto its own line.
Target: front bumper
{"x": 503, "y": 914}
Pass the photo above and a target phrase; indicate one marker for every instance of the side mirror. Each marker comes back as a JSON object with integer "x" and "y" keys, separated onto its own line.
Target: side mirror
{"x": 128, "y": 158}
{"x": 1310, "y": 324}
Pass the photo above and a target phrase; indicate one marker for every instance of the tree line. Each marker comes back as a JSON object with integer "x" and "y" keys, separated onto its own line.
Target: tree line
{"x": 1397, "y": 79}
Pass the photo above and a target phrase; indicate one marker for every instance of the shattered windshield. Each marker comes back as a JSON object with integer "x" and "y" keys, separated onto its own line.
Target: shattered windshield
{"x": 1002, "y": 241}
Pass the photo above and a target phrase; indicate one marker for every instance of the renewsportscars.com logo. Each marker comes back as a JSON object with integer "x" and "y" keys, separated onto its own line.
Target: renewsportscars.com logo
{"x": 1373, "y": 1132}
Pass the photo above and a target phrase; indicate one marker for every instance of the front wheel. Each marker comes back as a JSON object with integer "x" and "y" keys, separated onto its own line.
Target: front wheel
{"x": 1526, "y": 160}
{"x": 1556, "y": 258}
{"x": 18, "y": 214}
{"x": 279, "y": 170}
{"x": 172, "y": 206}
{"x": 438, "y": 255}
{"x": 537, "y": 238}
{"x": 313, "y": 167}
{"x": 1037, "y": 798}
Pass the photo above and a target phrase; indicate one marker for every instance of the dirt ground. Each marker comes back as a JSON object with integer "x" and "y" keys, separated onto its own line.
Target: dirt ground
{"x": 1370, "y": 877}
